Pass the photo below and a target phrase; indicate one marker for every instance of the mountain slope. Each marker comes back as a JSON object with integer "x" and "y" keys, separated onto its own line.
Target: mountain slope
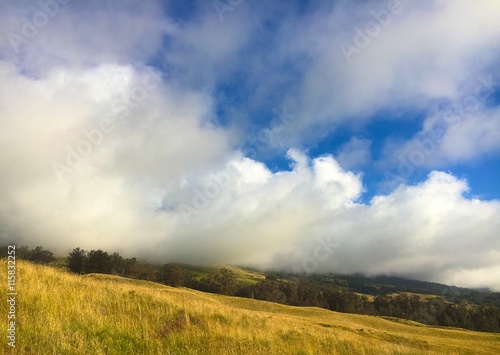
{"x": 58, "y": 312}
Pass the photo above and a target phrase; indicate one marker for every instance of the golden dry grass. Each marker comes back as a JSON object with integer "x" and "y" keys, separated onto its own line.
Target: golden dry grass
{"x": 61, "y": 313}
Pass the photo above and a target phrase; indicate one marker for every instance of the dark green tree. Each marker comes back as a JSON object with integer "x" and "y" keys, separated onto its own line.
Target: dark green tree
{"x": 223, "y": 283}
{"x": 129, "y": 266}
{"x": 41, "y": 255}
{"x": 117, "y": 264}
{"x": 144, "y": 271}
{"x": 226, "y": 282}
{"x": 173, "y": 275}
{"x": 98, "y": 261}
{"x": 77, "y": 260}
{"x": 23, "y": 252}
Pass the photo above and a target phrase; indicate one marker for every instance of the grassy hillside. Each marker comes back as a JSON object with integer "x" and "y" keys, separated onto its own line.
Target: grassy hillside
{"x": 242, "y": 275}
{"x": 62, "y": 313}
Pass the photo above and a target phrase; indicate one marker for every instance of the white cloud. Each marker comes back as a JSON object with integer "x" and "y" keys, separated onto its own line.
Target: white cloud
{"x": 429, "y": 51}
{"x": 448, "y": 136}
{"x": 476, "y": 135}
{"x": 111, "y": 177}
{"x": 80, "y": 34}
{"x": 428, "y": 231}
{"x": 354, "y": 154}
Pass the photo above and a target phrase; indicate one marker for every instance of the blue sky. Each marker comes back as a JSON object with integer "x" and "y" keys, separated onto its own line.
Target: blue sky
{"x": 249, "y": 133}
{"x": 236, "y": 89}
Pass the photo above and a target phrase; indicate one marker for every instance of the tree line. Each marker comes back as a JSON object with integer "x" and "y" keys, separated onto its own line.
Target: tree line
{"x": 81, "y": 261}
{"x": 37, "y": 255}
